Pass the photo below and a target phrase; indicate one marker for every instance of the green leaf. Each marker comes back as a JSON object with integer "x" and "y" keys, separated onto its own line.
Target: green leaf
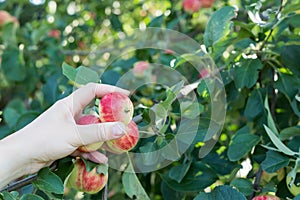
{"x": 171, "y": 150}
{"x": 81, "y": 75}
{"x": 293, "y": 144}
{"x": 49, "y": 182}
{"x": 158, "y": 115}
{"x": 276, "y": 141}
{"x": 223, "y": 192}
{"x": 179, "y": 171}
{"x": 271, "y": 122}
{"x": 69, "y": 71}
{"x": 157, "y": 21}
{"x": 203, "y": 90}
{"x": 50, "y": 89}
{"x": 274, "y": 161}
{"x": 243, "y": 185}
{"x": 191, "y": 110}
{"x": 12, "y": 66}
{"x": 219, "y": 25}
{"x": 86, "y": 75}
{"x": 26, "y": 118}
{"x": 220, "y": 163}
{"x": 254, "y": 105}
{"x": 242, "y": 143}
{"x": 102, "y": 169}
{"x": 171, "y": 95}
{"x": 31, "y": 197}
{"x": 111, "y": 77}
{"x": 290, "y": 58}
{"x": 197, "y": 178}
{"x": 188, "y": 133}
{"x": 9, "y": 195}
{"x": 289, "y": 132}
{"x": 170, "y": 194}
{"x": 292, "y": 175}
{"x": 132, "y": 186}
{"x": 246, "y": 74}
{"x": 13, "y": 111}
{"x": 149, "y": 154}
{"x": 295, "y": 107}
{"x": 89, "y": 165}
{"x": 39, "y": 33}
{"x": 288, "y": 85}
{"x": 115, "y": 22}
{"x": 8, "y": 34}
{"x": 175, "y": 89}
{"x": 64, "y": 168}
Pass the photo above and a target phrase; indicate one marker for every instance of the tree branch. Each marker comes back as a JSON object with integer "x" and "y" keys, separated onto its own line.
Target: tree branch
{"x": 256, "y": 182}
{"x": 272, "y": 29}
{"x": 26, "y": 181}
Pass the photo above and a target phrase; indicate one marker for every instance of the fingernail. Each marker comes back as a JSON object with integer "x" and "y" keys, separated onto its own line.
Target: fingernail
{"x": 118, "y": 130}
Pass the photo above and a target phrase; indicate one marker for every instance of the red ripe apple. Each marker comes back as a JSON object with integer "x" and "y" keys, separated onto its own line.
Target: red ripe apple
{"x": 126, "y": 142}
{"x": 266, "y": 197}
{"x": 169, "y": 51}
{"x": 84, "y": 181}
{"x": 203, "y": 73}
{"x": 5, "y": 17}
{"x": 191, "y": 5}
{"x": 114, "y": 107}
{"x": 84, "y": 120}
{"x": 139, "y": 68}
{"x": 55, "y": 33}
{"x": 206, "y": 3}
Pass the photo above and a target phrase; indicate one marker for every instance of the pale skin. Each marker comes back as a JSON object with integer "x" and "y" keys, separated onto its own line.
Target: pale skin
{"x": 54, "y": 135}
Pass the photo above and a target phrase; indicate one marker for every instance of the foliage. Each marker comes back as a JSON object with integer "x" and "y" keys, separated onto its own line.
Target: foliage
{"x": 250, "y": 52}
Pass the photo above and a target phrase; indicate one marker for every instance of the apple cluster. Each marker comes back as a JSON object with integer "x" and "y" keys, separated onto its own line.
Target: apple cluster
{"x": 112, "y": 107}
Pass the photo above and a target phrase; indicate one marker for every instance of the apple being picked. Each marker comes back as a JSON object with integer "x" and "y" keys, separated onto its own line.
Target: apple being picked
{"x": 84, "y": 120}
{"x": 114, "y": 107}
{"x": 90, "y": 182}
{"x": 126, "y": 142}
{"x": 118, "y": 107}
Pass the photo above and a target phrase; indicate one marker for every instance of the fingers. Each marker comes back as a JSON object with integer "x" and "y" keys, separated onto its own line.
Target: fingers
{"x": 95, "y": 156}
{"x": 84, "y": 95}
{"x": 93, "y": 133}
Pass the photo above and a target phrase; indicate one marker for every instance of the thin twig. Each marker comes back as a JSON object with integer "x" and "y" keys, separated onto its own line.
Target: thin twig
{"x": 256, "y": 182}
{"x": 272, "y": 29}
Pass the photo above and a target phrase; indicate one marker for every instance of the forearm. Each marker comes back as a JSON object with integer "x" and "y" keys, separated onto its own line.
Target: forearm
{"x": 12, "y": 157}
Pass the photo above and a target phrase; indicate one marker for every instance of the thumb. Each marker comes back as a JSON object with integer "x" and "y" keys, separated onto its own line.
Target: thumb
{"x": 100, "y": 132}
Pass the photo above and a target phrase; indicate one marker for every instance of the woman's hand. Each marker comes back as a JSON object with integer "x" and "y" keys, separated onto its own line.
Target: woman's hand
{"x": 54, "y": 135}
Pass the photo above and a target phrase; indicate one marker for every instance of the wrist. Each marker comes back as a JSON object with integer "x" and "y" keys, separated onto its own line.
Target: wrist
{"x": 12, "y": 159}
